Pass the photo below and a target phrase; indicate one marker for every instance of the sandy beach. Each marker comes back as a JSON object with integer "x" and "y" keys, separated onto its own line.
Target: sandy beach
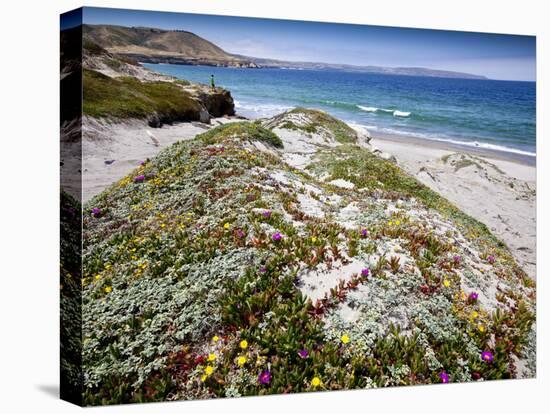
{"x": 498, "y": 189}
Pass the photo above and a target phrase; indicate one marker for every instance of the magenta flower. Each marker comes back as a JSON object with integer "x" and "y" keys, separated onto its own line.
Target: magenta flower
{"x": 364, "y": 233}
{"x": 487, "y": 356}
{"x": 96, "y": 212}
{"x": 264, "y": 378}
{"x": 262, "y": 269}
{"x": 444, "y": 377}
{"x": 365, "y": 272}
{"x": 303, "y": 353}
{"x": 457, "y": 259}
{"x": 276, "y": 237}
{"x": 266, "y": 214}
{"x": 473, "y": 296}
{"x": 139, "y": 179}
{"x": 240, "y": 234}
{"x": 142, "y": 163}
{"x": 491, "y": 259}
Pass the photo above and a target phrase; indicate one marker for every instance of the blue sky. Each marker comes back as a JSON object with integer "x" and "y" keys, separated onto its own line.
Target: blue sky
{"x": 494, "y": 55}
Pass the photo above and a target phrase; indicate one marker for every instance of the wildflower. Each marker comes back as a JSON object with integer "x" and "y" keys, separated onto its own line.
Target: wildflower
{"x": 203, "y": 377}
{"x": 96, "y": 212}
{"x": 241, "y": 360}
{"x": 315, "y": 382}
{"x": 262, "y": 269}
{"x": 264, "y": 378}
{"x": 276, "y": 237}
{"x": 142, "y": 163}
{"x": 457, "y": 259}
{"x": 444, "y": 377}
{"x": 390, "y": 223}
{"x": 303, "y": 353}
{"x": 364, "y": 233}
{"x": 313, "y": 239}
{"x": 211, "y": 357}
{"x": 345, "y": 338}
{"x": 475, "y": 314}
{"x": 446, "y": 283}
{"x": 244, "y": 344}
{"x": 97, "y": 277}
{"x": 487, "y": 356}
{"x": 139, "y": 179}
{"x": 215, "y": 338}
{"x": 240, "y": 234}
{"x": 266, "y": 214}
{"x": 108, "y": 289}
{"x": 208, "y": 370}
{"x": 365, "y": 272}
{"x": 481, "y": 328}
{"x": 226, "y": 226}
{"x": 491, "y": 259}
{"x": 473, "y": 297}
{"x": 397, "y": 222}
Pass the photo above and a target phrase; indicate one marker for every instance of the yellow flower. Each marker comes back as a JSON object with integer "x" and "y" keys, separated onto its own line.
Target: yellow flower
{"x": 345, "y": 338}
{"x": 97, "y": 277}
{"x": 203, "y": 377}
{"x": 390, "y": 223}
{"x": 162, "y": 225}
{"x": 211, "y": 357}
{"x": 241, "y": 360}
{"x": 481, "y": 328}
{"x": 215, "y": 338}
{"x": 244, "y": 344}
{"x": 108, "y": 289}
{"x": 313, "y": 239}
{"x": 397, "y": 222}
{"x": 474, "y": 314}
{"x": 446, "y": 283}
{"x": 315, "y": 382}
{"x": 208, "y": 370}
{"x": 226, "y": 226}
{"x": 108, "y": 266}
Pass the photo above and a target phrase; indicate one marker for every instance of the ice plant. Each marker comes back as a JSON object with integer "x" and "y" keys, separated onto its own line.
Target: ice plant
{"x": 303, "y": 353}
{"x": 473, "y": 296}
{"x": 266, "y": 214}
{"x": 96, "y": 212}
{"x": 139, "y": 179}
{"x": 491, "y": 259}
{"x": 487, "y": 356}
{"x": 315, "y": 382}
{"x": 276, "y": 237}
{"x": 365, "y": 272}
{"x": 264, "y": 378}
{"x": 243, "y": 344}
{"x": 345, "y": 338}
{"x": 444, "y": 377}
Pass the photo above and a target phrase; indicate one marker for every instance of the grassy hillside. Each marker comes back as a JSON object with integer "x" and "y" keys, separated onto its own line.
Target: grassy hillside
{"x": 208, "y": 271}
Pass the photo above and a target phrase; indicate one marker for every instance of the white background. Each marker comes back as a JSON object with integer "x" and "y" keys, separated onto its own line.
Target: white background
{"x": 29, "y": 102}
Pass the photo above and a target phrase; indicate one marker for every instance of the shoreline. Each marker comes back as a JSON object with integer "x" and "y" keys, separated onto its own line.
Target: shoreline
{"x": 451, "y": 146}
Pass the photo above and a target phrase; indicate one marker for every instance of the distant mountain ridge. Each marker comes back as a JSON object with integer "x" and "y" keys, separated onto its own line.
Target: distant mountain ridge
{"x": 154, "y": 45}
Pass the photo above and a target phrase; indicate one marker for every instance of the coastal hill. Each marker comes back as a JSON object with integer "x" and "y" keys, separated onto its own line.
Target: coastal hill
{"x": 154, "y": 45}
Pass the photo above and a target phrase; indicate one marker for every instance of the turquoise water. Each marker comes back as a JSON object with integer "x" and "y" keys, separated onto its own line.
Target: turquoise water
{"x": 498, "y": 115}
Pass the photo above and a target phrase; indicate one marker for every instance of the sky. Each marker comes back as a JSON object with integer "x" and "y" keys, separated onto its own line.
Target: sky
{"x": 497, "y": 56}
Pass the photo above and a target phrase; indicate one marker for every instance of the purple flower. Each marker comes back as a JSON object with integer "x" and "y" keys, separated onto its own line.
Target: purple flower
{"x": 142, "y": 163}
{"x": 96, "y": 212}
{"x": 487, "y": 356}
{"x": 264, "y": 378}
{"x": 240, "y": 234}
{"x": 262, "y": 269}
{"x": 457, "y": 259}
{"x": 491, "y": 259}
{"x": 364, "y": 233}
{"x": 266, "y": 214}
{"x": 365, "y": 272}
{"x": 303, "y": 353}
{"x": 444, "y": 377}
{"x": 276, "y": 237}
{"x": 473, "y": 296}
{"x": 139, "y": 179}
{"x": 250, "y": 197}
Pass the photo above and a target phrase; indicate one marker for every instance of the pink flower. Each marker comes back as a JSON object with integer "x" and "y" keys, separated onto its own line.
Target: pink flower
{"x": 487, "y": 356}
{"x": 473, "y": 296}
{"x": 457, "y": 259}
{"x": 266, "y": 214}
{"x": 444, "y": 377}
{"x": 365, "y": 272}
{"x": 364, "y": 233}
{"x": 491, "y": 259}
{"x": 303, "y": 353}
{"x": 264, "y": 378}
{"x": 276, "y": 237}
{"x": 96, "y": 212}
{"x": 139, "y": 179}
{"x": 240, "y": 234}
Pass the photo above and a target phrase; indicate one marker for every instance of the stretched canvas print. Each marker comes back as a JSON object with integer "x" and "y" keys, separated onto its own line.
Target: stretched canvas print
{"x": 257, "y": 206}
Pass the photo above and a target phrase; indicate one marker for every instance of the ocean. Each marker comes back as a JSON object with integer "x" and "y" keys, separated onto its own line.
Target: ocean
{"x": 490, "y": 114}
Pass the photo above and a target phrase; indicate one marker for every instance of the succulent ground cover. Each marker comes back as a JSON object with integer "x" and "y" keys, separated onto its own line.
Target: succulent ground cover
{"x": 216, "y": 269}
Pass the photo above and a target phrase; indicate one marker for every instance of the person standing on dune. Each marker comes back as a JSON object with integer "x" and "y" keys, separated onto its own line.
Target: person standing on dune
{"x": 212, "y": 84}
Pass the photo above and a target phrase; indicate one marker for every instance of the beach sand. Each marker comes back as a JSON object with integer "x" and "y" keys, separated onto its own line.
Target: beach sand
{"x": 498, "y": 189}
